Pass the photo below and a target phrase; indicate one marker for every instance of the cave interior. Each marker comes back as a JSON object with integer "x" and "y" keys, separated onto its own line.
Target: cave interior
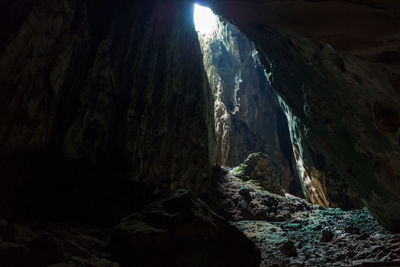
{"x": 208, "y": 133}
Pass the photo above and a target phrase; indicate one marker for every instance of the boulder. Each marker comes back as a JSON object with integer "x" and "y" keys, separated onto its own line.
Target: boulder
{"x": 181, "y": 231}
{"x": 259, "y": 169}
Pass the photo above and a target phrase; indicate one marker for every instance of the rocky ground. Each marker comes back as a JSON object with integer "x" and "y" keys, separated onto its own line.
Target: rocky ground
{"x": 178, "y": 231}
{"x": 53, "y": 244}
{"x": 291, "y": 232}
{"x": 182, "y": 230}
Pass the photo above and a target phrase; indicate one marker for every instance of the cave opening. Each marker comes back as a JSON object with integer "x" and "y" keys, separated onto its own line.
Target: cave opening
{"x": 107, "y": 134}
{"x": 250, "y": 124}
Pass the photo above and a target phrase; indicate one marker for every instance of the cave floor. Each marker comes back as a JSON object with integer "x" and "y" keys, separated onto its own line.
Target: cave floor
{"x": 288, "y": 231}
{"x": 291, "y": 232}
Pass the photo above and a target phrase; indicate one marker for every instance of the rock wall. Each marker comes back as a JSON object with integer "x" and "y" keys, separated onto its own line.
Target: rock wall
{"x": 321, "y": 182}
{"x": 94, "y": 92}
{"x": 222, "y": 117}
{"x": 97, "y": 92}
{"x": 341, "y": 84}
{"x": 248, "y": 117}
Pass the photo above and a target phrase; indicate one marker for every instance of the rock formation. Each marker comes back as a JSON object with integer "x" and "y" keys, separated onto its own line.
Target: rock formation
{"x": 259, "y": 168}
{"x": 291, "y": 232}
{"x": 329, "y": 62}
{"x": 112, "y": 91}
{"x": 105, "y": 107}
{"x": 247, "y": 114}
{"x": 181, "y": 231}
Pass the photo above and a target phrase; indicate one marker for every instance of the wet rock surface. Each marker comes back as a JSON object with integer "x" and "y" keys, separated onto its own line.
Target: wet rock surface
{"x": 291, "y": 232}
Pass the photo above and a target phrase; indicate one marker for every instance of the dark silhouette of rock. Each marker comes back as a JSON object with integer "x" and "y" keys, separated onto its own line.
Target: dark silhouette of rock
{"x": 245, "y": 193}
{"x": 181, "y": 231}
{"x": 289, "y": 249}
{"x": 326, "y": 236}
{"x": 12, "y": 254}
{"x": 78, "y": 93}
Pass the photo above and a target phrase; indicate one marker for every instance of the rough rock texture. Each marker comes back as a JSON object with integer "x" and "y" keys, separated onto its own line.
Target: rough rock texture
{"x": 239, "y": 200}
{"x": 347, "y": 137}
{"x": 222, "y": 115}
{"x": 259, "y": 168}
{"x": 248, "y": 117}
{"x": 222, "y": 131}
{"x": 106, "y": 91}
{"x": 99, "y": 91}
{"x": 322, "y": 183}
{"x": 181, "y": 231}
{"x": 178, "y": 231}
{"x": 355, "y": 239}
{"x": 45, "y": 244}
{"x": 291, "y": 232}
{"x": 341, "y": 85}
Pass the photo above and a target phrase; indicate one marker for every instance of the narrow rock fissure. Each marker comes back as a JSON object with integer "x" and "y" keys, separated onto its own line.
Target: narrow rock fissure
{"x": 251, "y": 117}
{"x": 247, "y": 114}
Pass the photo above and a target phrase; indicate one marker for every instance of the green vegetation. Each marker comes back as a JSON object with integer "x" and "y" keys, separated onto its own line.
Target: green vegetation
{"x": 239, "y": 169}
{"x": 256, "y": 185}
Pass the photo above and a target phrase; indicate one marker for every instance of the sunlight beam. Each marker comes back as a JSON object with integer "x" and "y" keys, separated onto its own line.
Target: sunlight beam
{"x": 204, "y": 19}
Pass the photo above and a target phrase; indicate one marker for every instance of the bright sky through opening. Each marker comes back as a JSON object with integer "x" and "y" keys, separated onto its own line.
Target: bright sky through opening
{"x": 204, "y": 19}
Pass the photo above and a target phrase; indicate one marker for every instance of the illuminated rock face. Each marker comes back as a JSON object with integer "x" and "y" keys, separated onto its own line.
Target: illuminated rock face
{"x": 249, "y": 118}
{"x": 247, "y": 114}
{"x": 322, "y": 184}
{"x": 340, "y": 84}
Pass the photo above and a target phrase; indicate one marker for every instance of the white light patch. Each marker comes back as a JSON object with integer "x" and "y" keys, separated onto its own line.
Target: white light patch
{"x": 205, "y": 21}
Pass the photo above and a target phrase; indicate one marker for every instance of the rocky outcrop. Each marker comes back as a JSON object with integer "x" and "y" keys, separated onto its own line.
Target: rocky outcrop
{"x": 109, "y": 91}
{"x": 239, "y": 199}
{"x": 181, "y": 231}
{"x": 254, "y": 121}
{"x": 291, "y": 232}
{"x": 258, "y": 168}
{"x": 340, "y": 85}
{"x": 178, "y": 231}
{"x": 97, "y": 94}
{"x": 248, "y": 117}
